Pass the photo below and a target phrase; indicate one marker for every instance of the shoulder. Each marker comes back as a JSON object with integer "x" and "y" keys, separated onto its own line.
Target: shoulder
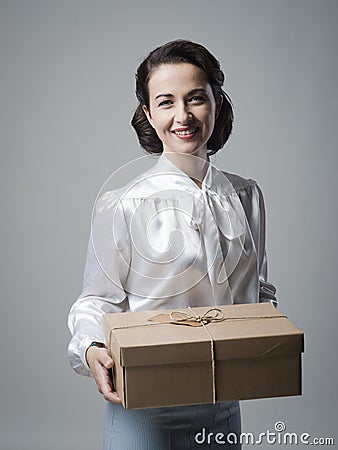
{"x": 248, "y": 191}
{"x": 108, "y": 201}
{"x": 240, "y": 183}
{"x": 133, "y": 188}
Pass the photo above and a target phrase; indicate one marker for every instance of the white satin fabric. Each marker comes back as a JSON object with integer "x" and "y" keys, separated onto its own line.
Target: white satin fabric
{"x": 162, "y": 242}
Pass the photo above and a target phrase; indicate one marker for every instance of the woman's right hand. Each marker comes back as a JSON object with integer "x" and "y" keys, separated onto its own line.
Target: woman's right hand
{"x": 100, "y": 363}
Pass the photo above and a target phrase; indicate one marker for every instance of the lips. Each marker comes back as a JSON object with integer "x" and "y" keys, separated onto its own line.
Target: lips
{"x": 185, "y": 133}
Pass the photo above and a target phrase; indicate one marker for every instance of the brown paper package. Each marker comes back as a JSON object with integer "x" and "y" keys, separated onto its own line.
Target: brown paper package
{"x": 255, "y": 352}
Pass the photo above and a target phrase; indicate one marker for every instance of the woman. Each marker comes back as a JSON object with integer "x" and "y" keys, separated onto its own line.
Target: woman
{"x": 181, "y": 234}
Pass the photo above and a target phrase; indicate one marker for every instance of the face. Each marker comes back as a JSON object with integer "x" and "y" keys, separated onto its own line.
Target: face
{"x": 182, "y": 108}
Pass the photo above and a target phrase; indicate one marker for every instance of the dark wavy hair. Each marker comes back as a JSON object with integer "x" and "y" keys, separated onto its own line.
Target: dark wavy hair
{"x": 175, "y": 52}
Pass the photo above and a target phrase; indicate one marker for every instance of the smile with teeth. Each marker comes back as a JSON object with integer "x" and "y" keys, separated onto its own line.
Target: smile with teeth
{"x": 186, "y": 132}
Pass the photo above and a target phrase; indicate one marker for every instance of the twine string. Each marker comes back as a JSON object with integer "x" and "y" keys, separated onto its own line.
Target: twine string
{"x": 212, "y": 315}
{"x": 205, "y": 319}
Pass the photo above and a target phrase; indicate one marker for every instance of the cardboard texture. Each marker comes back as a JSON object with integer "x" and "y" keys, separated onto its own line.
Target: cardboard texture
{"x": 254, "y": 353}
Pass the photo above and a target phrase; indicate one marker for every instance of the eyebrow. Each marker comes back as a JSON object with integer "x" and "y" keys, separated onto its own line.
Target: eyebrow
{"x": 163, "y": 95}
{"x": 192, "y": 92}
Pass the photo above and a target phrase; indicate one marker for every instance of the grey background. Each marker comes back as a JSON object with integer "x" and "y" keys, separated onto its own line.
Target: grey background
{"x": 67, "y": 96}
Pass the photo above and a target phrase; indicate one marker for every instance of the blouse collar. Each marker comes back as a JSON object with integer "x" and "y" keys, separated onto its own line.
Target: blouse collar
{"x": 223, "y": 199}
{"x": 215, "y": 181}
{"x": 174, "y": 174}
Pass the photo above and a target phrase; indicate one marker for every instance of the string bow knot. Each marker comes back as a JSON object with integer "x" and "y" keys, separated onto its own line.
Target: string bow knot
{"x": 212, "y": 315}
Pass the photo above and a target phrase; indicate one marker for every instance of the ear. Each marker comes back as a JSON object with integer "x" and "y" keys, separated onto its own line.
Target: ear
{"x": 219, "y": 106}
{"x": 147, "y": 113}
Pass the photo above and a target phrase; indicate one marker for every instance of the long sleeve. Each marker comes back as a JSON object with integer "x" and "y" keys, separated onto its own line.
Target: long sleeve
{"x": 267, "y": 290}
{"x": 252, "y": 201}
{"x": 105, "y": 272}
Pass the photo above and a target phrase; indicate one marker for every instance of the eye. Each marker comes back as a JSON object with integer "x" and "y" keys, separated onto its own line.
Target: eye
{"x": 165, "y": 103}
{"x": 197, "y": 99}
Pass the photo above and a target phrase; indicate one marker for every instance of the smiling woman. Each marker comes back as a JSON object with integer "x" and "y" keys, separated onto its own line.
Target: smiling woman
{"x": 181, "y": 234}
{"x": 182, "y": 108}
{"x": 189, "y": 63}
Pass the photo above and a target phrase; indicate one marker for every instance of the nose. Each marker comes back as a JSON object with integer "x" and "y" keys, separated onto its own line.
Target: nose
{"x": 183, "y": 114}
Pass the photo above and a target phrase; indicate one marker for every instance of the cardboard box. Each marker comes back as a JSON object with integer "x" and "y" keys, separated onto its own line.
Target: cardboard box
{"x": 254, "y": 353}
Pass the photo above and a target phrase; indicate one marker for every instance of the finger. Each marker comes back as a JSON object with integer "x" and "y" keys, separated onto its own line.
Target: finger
{"x": 103, "y": 380}
{"x": 107, "y": 362}
{"x": 105, "y": 359}
{"x": 113, "y": 397}
{"x": 107, "y": 391}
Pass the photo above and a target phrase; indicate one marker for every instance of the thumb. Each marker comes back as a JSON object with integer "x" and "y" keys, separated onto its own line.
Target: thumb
{"x": 107, "y": 361}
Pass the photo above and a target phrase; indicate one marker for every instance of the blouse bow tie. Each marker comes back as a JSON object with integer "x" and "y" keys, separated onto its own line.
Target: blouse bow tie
{"x": 227, "y": 212}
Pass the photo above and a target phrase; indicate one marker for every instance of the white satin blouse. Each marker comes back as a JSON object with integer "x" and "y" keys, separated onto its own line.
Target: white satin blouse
{"x": 163, "y": 242}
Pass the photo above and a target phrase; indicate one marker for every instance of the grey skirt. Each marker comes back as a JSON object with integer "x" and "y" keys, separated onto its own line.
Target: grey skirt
{"x": 205, "y": 426}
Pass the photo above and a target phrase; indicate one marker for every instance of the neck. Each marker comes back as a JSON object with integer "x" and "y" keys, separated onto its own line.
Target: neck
{"x": 194, "y": 166}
